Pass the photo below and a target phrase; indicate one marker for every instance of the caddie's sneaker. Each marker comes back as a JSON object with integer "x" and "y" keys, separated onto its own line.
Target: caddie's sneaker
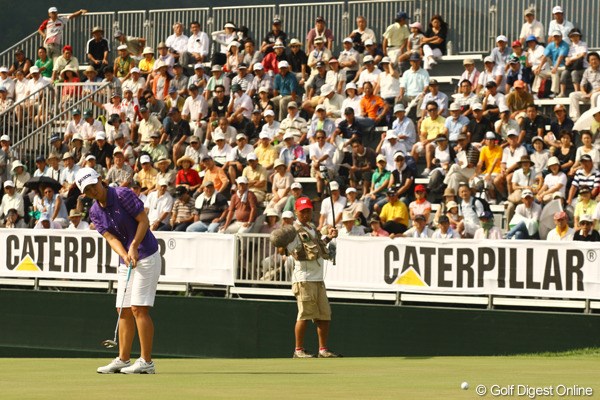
{"x": 302, "y": 354}
{"x": 140, "y": 366}
{"x": 328, "y": 354}
{"x": 114, "y": 367}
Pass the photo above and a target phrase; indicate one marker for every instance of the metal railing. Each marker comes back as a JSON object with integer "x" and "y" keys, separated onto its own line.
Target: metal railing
{"x": 258, "y": 261}
{"x": 29, "y": 45}
{"x": 52, "y": 115}
{"x": 474, "y": 24}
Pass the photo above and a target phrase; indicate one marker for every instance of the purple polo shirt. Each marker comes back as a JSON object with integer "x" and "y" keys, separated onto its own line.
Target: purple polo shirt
{"x": 118, "y": 218}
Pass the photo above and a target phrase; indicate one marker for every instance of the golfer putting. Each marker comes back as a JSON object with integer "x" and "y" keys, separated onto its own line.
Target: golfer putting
{"x": 118, "y": 215}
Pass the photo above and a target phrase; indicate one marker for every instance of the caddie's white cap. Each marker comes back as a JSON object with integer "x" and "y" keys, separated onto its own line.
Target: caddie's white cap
{"x": 85, "y": 177}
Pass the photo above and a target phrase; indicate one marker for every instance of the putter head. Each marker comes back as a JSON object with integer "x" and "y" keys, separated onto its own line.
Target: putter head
{"x": 109, "y": 344}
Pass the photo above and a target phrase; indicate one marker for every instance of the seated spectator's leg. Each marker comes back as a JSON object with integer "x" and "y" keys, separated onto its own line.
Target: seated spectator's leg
{"x": 234, "y": 227}
{"x": 544, "y": 74}
{"x": 283, "y": 105}
{"x": 565, "y": 79}
{"x": 245, "y": 229}
{"x": 576, "y": 76}
{"x": 499, "y": 182}
{"x": 165, "y": 228}
{"x": 314, "y": 173}
{"x": 198, "y": 227}
{"x": 594, "y": 99}
{"x": 379, "y": 203}
{"x": 470, "y": 229}
{"x": 427, "y": 56}
{"x": 556, "y": 80}
{"x": 518, "y": 231}
{"x": 214, "y": 227}
{"x": 429, "y": 151}
{"x": 416, "y": 151}
{"x": 574, "y": 110}
{"x": 231, "y": 172}
{"x": 182, "y": 227}
{"x": 394, "y": 227}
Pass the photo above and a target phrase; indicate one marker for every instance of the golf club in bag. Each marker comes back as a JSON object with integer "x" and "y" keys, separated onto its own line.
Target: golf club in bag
{"x": 109, "y": 344}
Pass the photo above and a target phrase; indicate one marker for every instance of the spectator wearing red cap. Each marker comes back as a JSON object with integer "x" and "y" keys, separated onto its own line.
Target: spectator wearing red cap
{"x": 309, "y": 254}
{"x": 563, "y": 232}
{"x": 67, "y": 59}
{"x": 420, "y": 206}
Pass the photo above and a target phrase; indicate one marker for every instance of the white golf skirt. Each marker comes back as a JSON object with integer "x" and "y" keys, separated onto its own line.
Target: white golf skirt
{"x": 142, "y": 283}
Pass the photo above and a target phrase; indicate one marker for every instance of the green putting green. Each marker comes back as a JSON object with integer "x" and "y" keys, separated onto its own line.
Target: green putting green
{"x": 345, "y": 378}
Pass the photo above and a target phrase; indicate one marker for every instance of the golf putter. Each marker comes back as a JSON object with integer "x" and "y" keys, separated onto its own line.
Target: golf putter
{"x": 109, "y": 344}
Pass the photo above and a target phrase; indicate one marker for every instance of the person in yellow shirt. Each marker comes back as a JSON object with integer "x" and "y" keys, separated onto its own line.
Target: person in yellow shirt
{"x": 488, "y": 166}
{"x": 394, "y": 214}
{"x": 432, "y": 126}
{"x": 265, "y": 153}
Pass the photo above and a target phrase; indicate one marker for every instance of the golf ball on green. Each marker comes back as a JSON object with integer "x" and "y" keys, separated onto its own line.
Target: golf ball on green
{"x": 464, "y": 386}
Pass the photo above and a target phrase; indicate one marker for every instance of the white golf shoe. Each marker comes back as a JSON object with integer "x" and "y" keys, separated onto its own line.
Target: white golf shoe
{"x": 114, "y": 367}
{"x": 140, "y": 366}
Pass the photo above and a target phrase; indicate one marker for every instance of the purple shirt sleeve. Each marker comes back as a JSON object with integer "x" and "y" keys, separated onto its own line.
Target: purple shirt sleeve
{"x": 130, "y": 202}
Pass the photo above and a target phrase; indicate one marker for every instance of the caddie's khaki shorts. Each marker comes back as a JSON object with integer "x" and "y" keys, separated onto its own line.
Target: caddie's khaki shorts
{"x": 312, "y": 301}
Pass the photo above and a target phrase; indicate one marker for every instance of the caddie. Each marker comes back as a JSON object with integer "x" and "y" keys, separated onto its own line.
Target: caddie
{"x": 309, "y": 251}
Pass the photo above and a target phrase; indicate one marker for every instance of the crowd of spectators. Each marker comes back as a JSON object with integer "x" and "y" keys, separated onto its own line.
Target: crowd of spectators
{"x": 215, "y": 141}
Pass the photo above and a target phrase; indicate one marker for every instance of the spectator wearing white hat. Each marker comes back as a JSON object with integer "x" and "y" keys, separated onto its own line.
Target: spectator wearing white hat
{"x": 512, "y": 155}
{"x": 388, "y": 146}
{"x": 369, "y": 73}
{"x": 199, "y": 78}
{"x": 146, "y": 176}
{"x": 295, "y": 194}
{"x": 217, "y": 80}
{"x": 525, "y": 222}
{"x": 285, "y": 89}
{"x": 257, "y": 177}
{"x": 238, "y": 158}
{"x": 586, "y": 231}
{"x": 46, "y": 223}
{"x": 531, "y": 27}
{"x": 76, "y": 221}
{"x": 272, "y": 60}
{"x": 158, "y": 205}
{"x": 221, "y": 152}
{"x": 329, "y": 214}
{"x": 265, "y": 152}
{"x": 320, "y": 121}
{"x": 120, "y": 173}
{"x": 11, "y": 200}
{"x": 282, "y": 186}
{"x": 555, "y": 54}
{"x": 320, "y": 52}
{"x": 501, "y": 52}
{"x": 388, "y": 83}
{"x": 349, "y": 59}
{"x": 240, "y": 107}
{"x": 355, "y": 207}
{"x": 332, "y": 101}
{"x": 51, "y": 30}
{"x": 555, "y": 181}
{"x": 559, "y": 23}
{"x": 349, "y": 227}
{"x": 243, "y": 209}
{"x": 260, "y": 80}
{"x": 293, "y": 124}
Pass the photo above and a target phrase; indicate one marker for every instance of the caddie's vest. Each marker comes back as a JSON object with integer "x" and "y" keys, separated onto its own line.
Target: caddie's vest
{"x": 312, "y": 248}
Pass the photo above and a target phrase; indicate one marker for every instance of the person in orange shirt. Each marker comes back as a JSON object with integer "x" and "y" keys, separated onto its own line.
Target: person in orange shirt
{"x": 373, "y": 107}
{"x": 214, "y": 174}
{"x": 488, "y": 166}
